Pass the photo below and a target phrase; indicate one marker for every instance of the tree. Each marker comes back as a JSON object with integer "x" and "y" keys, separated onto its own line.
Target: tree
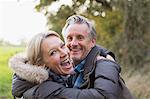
{"x": 122, "y": 25}
{"x": 135, "y": 39}
{"x": 87, "y": 7}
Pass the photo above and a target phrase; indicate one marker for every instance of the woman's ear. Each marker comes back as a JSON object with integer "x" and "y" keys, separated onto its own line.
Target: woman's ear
{"x": 40, "y": 62}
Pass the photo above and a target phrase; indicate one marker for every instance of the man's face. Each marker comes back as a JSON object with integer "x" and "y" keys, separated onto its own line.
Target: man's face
{"x": 78, "y": 41}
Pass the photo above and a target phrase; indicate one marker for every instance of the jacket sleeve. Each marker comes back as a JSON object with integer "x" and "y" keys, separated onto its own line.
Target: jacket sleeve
{"x": 107, "y": 78}
{"x": 19, "y": 86}
{"x": 53, "y": 90}
{"x": 106, "y": 85}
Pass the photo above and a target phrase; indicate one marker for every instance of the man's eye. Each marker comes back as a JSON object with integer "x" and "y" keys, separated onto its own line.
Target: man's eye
{"x": 69, "y": 38}
{"x": 80, "y": 38}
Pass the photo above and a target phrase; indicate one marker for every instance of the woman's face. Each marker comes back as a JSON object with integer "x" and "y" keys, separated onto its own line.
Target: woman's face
{"x": 56, "y": 56}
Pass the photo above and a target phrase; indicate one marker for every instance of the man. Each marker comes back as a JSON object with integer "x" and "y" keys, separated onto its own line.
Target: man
{"x": 96, "y": 76}
{"x": 80, "y": 37}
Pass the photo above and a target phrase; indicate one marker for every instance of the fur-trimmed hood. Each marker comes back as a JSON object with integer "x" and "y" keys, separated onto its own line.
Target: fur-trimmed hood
{"x": 31, "y": 73}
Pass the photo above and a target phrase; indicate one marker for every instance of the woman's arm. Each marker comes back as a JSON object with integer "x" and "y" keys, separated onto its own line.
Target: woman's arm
{"x": 26, "y": 75}
{"x": 53, "y": 90}
{"x": 19, "y": 86}
{"x": 106, "y": 85}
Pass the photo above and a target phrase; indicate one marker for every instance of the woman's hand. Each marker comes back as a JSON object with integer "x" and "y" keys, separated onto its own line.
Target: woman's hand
{"x": 107, "y": 57}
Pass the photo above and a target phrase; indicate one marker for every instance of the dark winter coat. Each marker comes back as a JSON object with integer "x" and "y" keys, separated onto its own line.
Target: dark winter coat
{"x": 101, "y": 82}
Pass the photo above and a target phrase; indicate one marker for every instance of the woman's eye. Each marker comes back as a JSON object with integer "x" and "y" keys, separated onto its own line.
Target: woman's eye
{"x": 52, "y": 53}
{"x": 63, "y": 46}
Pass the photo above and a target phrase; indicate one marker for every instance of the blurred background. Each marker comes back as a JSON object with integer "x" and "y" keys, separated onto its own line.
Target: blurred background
{"x": 123, "y": 26}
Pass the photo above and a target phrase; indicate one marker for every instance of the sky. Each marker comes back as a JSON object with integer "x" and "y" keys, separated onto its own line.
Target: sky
{"x": 19, "y": 20}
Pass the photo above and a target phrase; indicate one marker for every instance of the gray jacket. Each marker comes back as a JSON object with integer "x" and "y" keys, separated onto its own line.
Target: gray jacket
{"x": 101, "y": 83}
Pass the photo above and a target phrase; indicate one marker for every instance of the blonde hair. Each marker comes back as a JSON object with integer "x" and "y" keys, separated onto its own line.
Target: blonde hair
{"x": 34, "y": 47}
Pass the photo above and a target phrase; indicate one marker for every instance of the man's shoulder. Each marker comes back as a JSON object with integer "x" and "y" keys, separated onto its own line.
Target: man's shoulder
{"x": 104, "y": 51}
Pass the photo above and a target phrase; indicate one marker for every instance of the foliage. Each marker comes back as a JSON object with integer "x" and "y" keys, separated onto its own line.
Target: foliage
{"x": 63, "y": 13}
{"x": 108, "y": 28}
{"x": 5, "y": 72}
{"x": 57, "y": 19}
{"x": 122, "y": 26}
{"x": 134, "y": 43}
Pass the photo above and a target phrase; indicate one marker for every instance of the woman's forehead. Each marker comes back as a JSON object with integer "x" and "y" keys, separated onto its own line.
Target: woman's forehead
{"x": 51, "y": 42}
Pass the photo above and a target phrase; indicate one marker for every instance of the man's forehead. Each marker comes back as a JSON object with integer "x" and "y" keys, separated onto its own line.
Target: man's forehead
{"x": 78, "y": 25}
{"x": 79, "y": 28}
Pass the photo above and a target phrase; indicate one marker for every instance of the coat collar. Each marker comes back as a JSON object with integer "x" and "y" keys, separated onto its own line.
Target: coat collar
{"x": 37, "y": 74}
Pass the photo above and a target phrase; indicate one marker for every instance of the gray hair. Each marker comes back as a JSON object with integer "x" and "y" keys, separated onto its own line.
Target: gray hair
{"x": 34, "y": 53}
{"x": 77, "y": 19}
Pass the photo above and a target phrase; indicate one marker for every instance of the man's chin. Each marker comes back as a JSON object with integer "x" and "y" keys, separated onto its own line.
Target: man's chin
{"x": 76, "y": 60}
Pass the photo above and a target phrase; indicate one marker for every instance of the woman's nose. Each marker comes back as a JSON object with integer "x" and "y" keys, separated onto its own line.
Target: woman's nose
{"x": 64, "y": 52}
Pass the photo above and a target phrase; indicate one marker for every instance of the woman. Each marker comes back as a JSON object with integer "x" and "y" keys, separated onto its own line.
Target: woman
{"x": 46, "y": 51}
{"x": 50, "y": 66}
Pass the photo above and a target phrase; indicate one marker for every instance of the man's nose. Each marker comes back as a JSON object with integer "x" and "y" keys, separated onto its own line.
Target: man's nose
{"x": 74, "y": 42}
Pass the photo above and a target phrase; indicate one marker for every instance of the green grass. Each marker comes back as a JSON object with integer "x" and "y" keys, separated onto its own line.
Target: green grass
{"x": 5, "y": 72}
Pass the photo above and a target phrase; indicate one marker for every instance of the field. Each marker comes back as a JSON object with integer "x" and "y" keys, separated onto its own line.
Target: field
{"x": 5, "y": 72}
{"x": 136, "y": 80}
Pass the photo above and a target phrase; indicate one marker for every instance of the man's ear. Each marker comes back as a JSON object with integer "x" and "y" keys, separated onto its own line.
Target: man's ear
{"x": 93, "y": 42}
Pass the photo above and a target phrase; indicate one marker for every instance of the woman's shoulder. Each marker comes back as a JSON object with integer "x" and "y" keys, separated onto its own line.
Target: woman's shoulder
{"x": 18, "y": 63}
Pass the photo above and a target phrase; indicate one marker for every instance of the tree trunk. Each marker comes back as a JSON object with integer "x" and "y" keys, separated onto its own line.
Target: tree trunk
{"x": 136, "y": 36}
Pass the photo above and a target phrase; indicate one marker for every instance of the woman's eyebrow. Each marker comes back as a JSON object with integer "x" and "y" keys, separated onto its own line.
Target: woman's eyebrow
{"x": 62, "y": 43}
{"x": 49, "y": 50}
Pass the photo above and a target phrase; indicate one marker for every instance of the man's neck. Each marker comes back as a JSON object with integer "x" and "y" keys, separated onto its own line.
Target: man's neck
{"x": 77, "y": 62}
